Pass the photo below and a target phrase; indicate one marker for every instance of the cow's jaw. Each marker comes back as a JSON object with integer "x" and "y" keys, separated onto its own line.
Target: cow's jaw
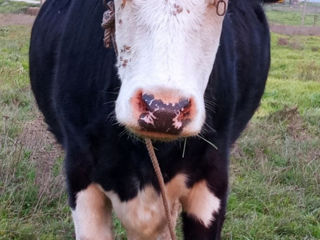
{"x": 166, "y": 50}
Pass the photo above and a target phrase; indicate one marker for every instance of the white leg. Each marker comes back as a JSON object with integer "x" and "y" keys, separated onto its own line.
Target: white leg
{"x": 92, "y": 215}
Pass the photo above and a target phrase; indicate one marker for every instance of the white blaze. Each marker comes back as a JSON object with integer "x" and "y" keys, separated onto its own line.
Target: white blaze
{"x": 166, "y": 44}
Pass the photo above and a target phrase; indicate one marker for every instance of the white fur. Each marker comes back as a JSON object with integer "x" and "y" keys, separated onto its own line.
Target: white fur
{"x": 166, "y": 45}
{"x": 92, "y": 215}
{"x": 201, "y": 203}
{"x": 144, "y": 216}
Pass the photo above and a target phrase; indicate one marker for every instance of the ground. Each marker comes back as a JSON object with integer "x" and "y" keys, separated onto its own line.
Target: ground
{"x": 295, "y": 30}
{"x": 16, "y": 19}
{"x": 275, "y": 175}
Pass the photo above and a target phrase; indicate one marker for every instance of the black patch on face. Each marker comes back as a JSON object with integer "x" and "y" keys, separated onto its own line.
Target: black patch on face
{"x": 165, "y": 118}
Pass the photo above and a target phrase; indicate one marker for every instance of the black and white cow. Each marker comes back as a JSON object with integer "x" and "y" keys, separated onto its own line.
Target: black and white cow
{"x": 183, "y": 72}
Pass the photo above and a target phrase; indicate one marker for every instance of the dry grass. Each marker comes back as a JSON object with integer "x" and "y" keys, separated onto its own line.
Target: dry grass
{"x": 46, "y": 155}
{"x": 295, "y": 30}
{"x": 310, "y": 71}
{"x": 16, "y": 19}
{"x": 32, "y": 199}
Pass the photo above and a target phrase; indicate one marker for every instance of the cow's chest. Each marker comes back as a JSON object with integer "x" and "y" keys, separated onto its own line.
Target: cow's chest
{"x": 144, "y": 216}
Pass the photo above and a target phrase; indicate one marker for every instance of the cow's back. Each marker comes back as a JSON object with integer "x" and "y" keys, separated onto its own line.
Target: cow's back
{"x": 241, "y": 66}
{"x": 253, "y": 60}
{"x": 70, "y": 69}
{"x": 44, "y": 47}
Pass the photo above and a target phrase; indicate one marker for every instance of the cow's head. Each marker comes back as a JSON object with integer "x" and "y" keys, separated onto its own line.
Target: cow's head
{"x": 166, "y": 53}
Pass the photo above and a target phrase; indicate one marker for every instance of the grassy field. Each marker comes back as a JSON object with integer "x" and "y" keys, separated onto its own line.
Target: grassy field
{"x": 291, "y": 18}
{"x": 283, "y": 14}
{"x": 7, "y": 6}
{"x": 275, "y": 175}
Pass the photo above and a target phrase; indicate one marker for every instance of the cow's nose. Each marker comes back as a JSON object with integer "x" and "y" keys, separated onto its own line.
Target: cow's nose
{"x": 158, "y": 115}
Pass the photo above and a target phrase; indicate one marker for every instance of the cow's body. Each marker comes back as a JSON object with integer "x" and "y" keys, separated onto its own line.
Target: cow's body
{"x": 75, "y": 83}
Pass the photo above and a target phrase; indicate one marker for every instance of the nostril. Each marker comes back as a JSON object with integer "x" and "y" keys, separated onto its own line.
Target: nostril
{"x": 143, "y": 102}
{"x": 147, "y": 98}
{"x": 185, "y": 109}
{"x": 146, "y": 101}
{"x": 184, "y": 104}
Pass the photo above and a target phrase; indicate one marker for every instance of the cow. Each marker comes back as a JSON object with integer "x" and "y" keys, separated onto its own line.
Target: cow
{"x": 187, "y": 75}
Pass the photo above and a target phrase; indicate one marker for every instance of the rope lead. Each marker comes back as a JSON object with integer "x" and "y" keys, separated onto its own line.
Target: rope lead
{"x": 164, "y": 196}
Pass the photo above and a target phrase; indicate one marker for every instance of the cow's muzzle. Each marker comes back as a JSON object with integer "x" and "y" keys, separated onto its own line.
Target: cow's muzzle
{"x": 160, "y": 115}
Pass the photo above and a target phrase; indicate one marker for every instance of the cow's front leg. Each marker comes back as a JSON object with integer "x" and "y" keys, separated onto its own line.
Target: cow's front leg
{"x": 195, "y": 229}
{"x": 91, "y": 209}
{"x": 205, "y": 206}
{"x": 92, "y": 215}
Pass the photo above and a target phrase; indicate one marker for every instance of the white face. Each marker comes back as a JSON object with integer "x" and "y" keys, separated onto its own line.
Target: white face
{"x": 166, "y": 52}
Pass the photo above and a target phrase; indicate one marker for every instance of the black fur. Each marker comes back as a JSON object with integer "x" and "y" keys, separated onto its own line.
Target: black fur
{"x": 75, "y": 84}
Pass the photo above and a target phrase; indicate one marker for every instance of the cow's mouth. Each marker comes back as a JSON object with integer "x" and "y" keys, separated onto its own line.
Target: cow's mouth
{"x": 166, "y": 137}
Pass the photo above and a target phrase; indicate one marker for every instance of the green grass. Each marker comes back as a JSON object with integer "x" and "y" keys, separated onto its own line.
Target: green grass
{"x": 297, "y": 58}
{"x": 7, "y": 6}
{"x": 275, "y": 175}
{"x": 15, "y": 103}
{"x": 24, "y": 212}
{"x": 275, "y": 181}
{"x": 291, "y": 18}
